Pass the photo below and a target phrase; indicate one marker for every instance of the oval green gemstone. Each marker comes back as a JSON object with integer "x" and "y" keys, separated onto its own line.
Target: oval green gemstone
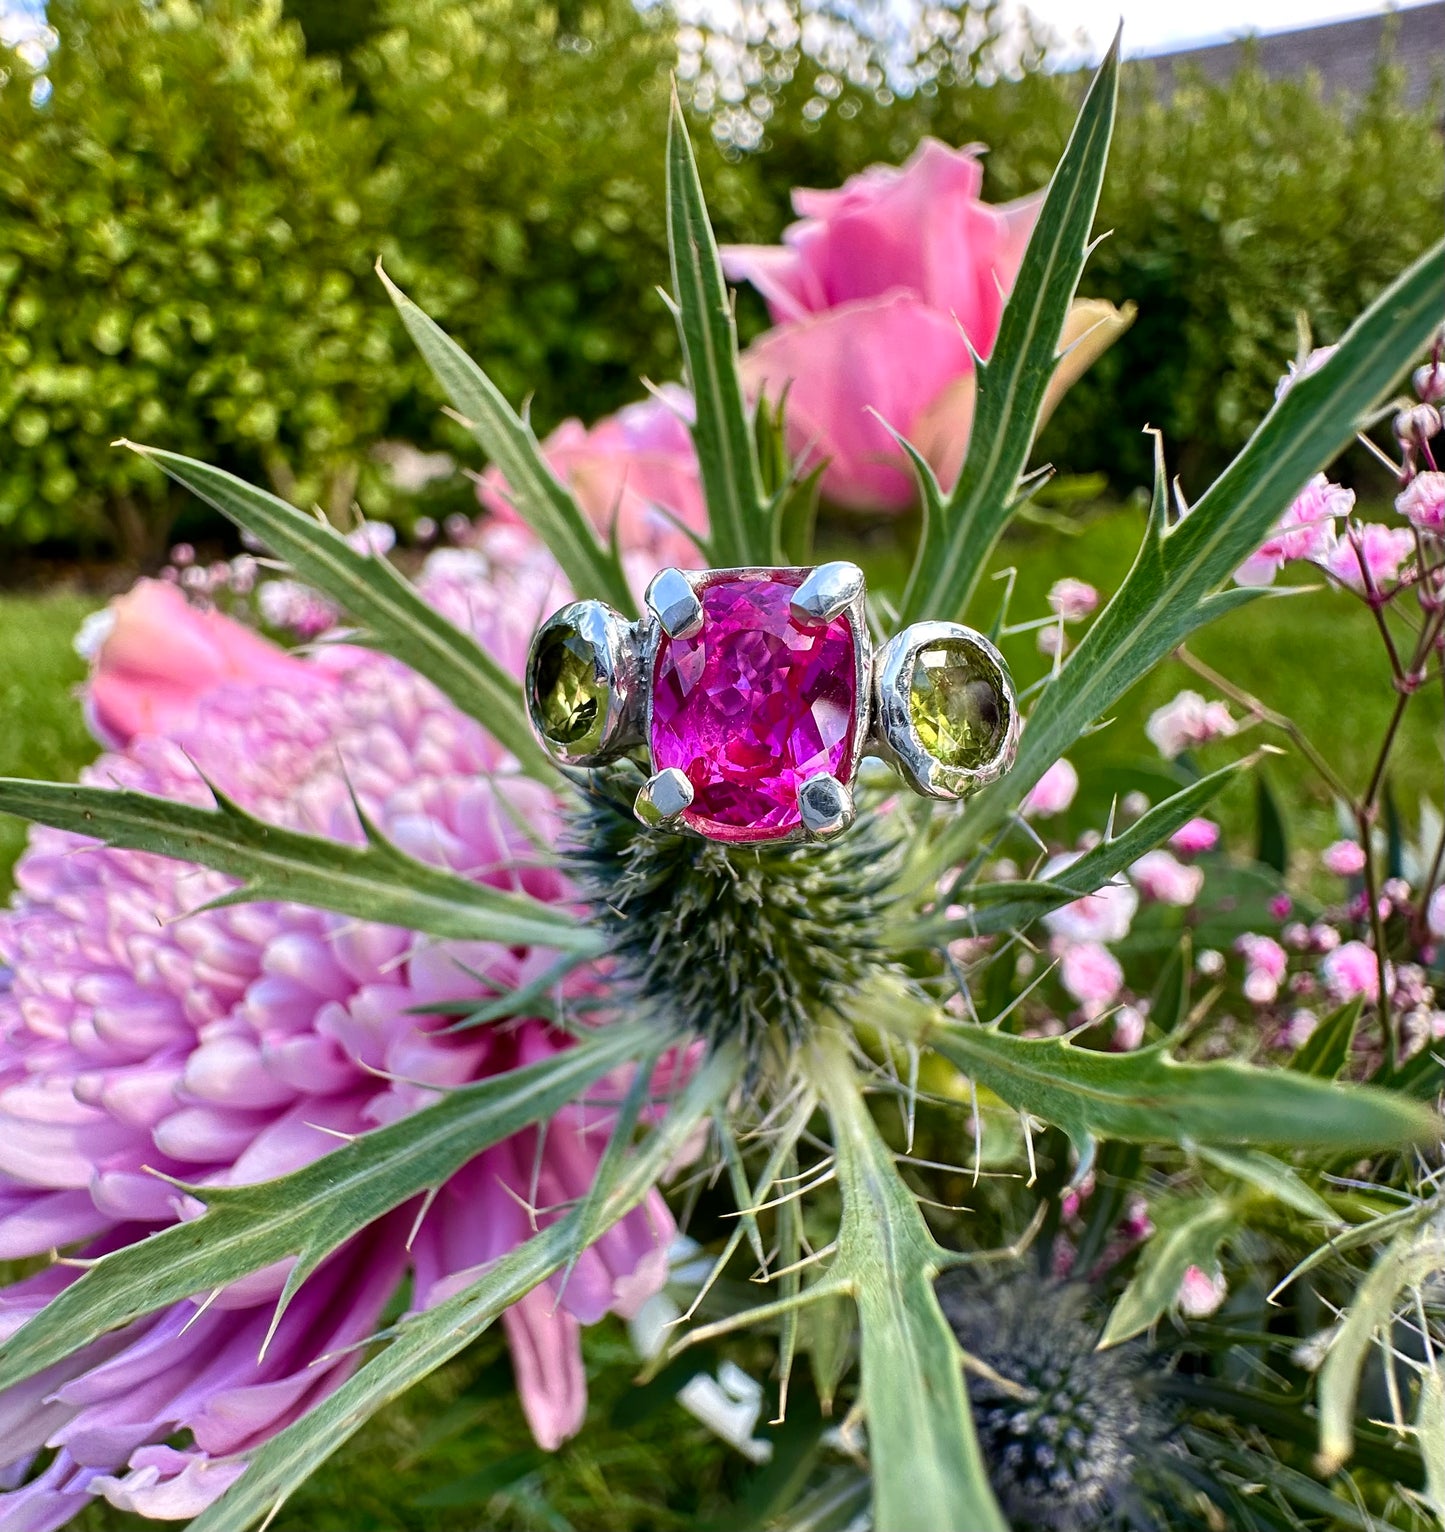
{"x": 958, "y": 705}
{"x": 569, "y": 689}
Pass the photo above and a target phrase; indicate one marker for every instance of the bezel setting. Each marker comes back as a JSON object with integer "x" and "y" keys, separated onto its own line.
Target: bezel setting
{"x": 896, "y": 735}
{"x": 616, "y": 665}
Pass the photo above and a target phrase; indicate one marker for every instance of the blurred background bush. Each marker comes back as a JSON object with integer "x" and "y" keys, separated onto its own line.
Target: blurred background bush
{"x": 188, "y": 226}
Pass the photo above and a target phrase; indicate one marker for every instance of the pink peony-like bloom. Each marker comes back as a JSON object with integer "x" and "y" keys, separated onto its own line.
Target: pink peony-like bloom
{"x": 1345, "y": 858}
{"x": 1103, "y": 916}
{"x": 1072, "y": 599}
{"x": 634, "y": 474}
{"x": 1090, "y": 973}
{"x": 1158, "y": 876}
{"x": 1422, "y": 501}
{"x": 1265, "y": 965}
{"x": 880, "y": 296}
{"x": 1382, "y": 551}
{"x": 143, "y": 1032}
{"x": 1195, "y": 837}
{"x": 1350, "y": 970}
{"x": 1052, "y": 793}
{"x": 1186, "y": 722}
{"x": 1305, "y": 531}
{"x": 1201, "y": 1292}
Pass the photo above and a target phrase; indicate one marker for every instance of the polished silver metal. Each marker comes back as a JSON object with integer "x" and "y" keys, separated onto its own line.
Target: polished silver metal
{"x": 651, "y": 629}
{"x": 826, "y": 806}
{"x": 672, "y": 600}
{"x": 617, "y": 664}
{"x": 896, "y": 738}
{"x": 662, "y": 798}
{"x": 827, "y": 592}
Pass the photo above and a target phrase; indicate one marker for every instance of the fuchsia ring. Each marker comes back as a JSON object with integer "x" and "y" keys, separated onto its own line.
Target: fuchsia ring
{"x": 756, "y": 694}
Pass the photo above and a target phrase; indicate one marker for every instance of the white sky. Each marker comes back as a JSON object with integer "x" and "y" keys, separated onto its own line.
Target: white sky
{"x": 1153, "y": 26}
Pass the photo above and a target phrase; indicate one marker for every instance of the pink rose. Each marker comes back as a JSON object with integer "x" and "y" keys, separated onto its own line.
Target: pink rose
{"x": 635, "y": 471}
{"x": 1345, "y": 858}
{"x": 1052, "y": 793}
{"x": 1351, "y": 970}
{"x": 1187, "y": 721}
{"x": 1158, "y": 876}
{"x": 1423, "y": 501}
{"x": 1195, "y": 836}
{"x": 1091, "y": 974}
{"x": 158, "y": 656}
{"x": 1305, "y": 531}
{"x": 877, "y": 295}
{"x": 1382, "y": 550}
{"x": 1072, "y": 599}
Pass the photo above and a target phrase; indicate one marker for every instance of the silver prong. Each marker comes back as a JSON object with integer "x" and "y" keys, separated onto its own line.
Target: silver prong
{"x": 828, "y": 591}
{"x": 672, "y": 600}
{"x": 663, "y": 797}
{"x": 826, "y": 806}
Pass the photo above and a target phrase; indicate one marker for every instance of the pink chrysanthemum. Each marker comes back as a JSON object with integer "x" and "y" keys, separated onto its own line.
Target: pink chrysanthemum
{"x": 220, "y": 1046}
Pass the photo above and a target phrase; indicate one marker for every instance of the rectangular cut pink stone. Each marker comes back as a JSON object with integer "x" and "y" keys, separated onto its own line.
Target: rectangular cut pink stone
{"x": 753, "y": 705}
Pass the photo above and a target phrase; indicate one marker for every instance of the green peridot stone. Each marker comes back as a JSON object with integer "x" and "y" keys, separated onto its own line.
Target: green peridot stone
{"x": 569, "y": 697}
{"x": 957, "y": 705}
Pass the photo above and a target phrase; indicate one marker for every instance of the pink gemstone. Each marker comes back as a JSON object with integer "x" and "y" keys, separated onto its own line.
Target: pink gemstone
{"x": 752, "y": 706}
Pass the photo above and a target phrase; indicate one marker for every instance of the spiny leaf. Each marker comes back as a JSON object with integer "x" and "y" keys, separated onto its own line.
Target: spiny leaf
{"x": 372, "y": 882}
{"x": 1188, "y": 1232}
{"x": 313, "y": 1210}
{"x": 959, "y": 536}
{"x": 1009, "y": 906}
{"x": 539, "y": 497}
{"x": 739, "y": 518}
{"x": 1173, "y": 587}
{"x": 927, "y": 1468}
{"x": 425, "y": 1341}
{"x": 1274, "y": 1178}
{"x": 392, "y": 617}
{"x": 1149, "y": 1097}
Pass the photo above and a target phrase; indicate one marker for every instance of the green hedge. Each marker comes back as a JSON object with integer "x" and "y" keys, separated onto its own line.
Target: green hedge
{"x": 187, "y": 231}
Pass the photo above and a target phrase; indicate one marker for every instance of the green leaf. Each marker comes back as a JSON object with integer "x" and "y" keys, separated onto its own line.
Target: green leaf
{"x": 1273, "y": 847}
{"x": 959, "y": 536}
{"x": 313, "y": 1210}
{"x": 1274, "y": 1178}
{"x": 391, "y": 616}
{"x": 1412, "y": 1257}
{"x": 1326, "y": 1051}
{"x": 1149, "y": 1097}
{"x": 539, "y": 497}
{"x": 424, "y": 1342}
{"x": 1012, "y": 906}
{"x": 927, "y": 1469}
{"x": 373, "y": 882}
{"x": 1430, "y": 1434}
{"x": 1172, "y": 588}
{"x": 1188, "y": 1232}
{"x": 740, "y": 520}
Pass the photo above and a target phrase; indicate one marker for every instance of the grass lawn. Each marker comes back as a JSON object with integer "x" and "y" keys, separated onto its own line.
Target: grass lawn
{"x": 455, "y": 1450}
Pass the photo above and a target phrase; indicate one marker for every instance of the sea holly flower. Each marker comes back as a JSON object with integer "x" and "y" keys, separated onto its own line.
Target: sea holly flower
{"x": 144, "y": 1034}
{"x": 1187, "y": 722}
{"x": 881, "y": 295}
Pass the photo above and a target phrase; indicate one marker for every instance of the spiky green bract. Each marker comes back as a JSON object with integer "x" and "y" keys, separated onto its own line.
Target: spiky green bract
{"x": 1073, "y": 1444}
{"x": 723, "y": 942}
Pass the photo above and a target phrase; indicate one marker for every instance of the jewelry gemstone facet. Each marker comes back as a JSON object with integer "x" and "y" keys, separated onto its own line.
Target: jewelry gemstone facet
{"x": 753, "y": 705}
{"x": 958, "y": 705}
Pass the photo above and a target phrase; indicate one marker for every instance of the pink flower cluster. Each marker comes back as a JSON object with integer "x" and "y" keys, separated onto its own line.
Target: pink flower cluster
{"x": 141, "y": 1032}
